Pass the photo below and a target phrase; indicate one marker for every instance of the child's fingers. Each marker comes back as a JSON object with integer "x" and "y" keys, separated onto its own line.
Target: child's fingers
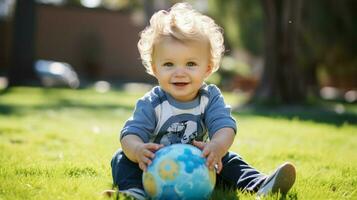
{"x": 219, "y": 166}
{"x": 148, "y": 162}
{"x": 159, "y": 147}
{"x": 145, "y": 162}
{"x": 149, "y": 154}
{"x": 142, "y": 166}
{"x": 153, "y": 147}
{"x": 211, "y": 161}
{"x": 205, "y": 152}
{"x": 214, "y": 162}
{"x": 198, "y": 144}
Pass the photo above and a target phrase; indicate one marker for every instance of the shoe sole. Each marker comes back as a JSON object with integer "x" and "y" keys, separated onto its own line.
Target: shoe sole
{"x": 284, "y": 179}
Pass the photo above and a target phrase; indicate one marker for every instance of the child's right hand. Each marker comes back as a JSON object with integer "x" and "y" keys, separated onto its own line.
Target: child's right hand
{"x": 145, "y": 152}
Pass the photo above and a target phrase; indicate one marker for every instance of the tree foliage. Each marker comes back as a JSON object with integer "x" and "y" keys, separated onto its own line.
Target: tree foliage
{"x": 280, "y": 81}
{"x": 323, "y": 47}
{"x": 329, "y": 42}
{"x": 242, "y": 22}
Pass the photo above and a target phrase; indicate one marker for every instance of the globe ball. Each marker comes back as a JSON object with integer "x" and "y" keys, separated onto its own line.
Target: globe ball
{"x": 179, "y": 171}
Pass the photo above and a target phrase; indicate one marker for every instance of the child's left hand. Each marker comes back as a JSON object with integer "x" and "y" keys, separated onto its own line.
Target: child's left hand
{"x": 212, "y": 152}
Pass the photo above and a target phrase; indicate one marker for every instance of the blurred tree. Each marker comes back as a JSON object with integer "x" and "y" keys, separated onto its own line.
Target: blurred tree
{"x": 243, "y": 21}
{"x": 21, "y": 70}
{"x": 306, "y": 45}
{"x": 148, "y": 9}
{"x": 282, "y": 80}
{"x": 329, "y": 43}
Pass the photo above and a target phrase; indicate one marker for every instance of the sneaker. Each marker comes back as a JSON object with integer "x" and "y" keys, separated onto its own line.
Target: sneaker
{"x": 136, "y": 193}
{"x": 280, "y": 181}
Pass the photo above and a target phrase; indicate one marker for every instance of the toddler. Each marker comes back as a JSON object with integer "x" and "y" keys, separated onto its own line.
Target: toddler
{"x": 181, "y": 48}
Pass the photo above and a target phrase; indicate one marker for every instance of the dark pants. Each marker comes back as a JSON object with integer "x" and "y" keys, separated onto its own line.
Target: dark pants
{"x": 236, "y": 174}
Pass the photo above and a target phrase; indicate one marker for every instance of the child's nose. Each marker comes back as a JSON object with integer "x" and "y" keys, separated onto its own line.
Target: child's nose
{"x": 180, "y": 71}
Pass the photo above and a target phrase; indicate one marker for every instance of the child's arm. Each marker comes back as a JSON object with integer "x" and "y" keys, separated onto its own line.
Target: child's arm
{"x": 217, "y": 147}
{"x": 138, "y": 151}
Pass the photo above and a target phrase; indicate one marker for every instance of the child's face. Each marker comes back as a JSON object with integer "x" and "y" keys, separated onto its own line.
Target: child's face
{"x": 181, "y": 67}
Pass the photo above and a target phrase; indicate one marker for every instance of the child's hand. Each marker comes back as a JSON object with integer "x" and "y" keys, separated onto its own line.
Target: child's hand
{"x": 213, "y": 153}
{"x": 144, "y": 153}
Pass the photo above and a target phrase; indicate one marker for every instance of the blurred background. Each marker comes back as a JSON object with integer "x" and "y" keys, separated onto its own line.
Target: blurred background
{"x": 277, "y": 52}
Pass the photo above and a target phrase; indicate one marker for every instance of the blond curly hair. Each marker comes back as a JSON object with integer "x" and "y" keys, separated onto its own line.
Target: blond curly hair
{"x": 181, "y": 22}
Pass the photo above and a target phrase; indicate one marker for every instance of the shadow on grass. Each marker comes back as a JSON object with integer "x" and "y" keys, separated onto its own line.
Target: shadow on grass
{"x": 19, "y": 110}
{"x": 62, "y": 99}
{"x": 58, "y": 104}
{"x": 57, "y": 99}
{"x": 319, "y": 114}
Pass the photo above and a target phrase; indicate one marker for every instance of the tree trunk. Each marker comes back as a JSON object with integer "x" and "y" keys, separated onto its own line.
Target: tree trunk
{"x": 149, "y": 10}
{"x": 21, "y": 70}
{"x": 282, "y": 79}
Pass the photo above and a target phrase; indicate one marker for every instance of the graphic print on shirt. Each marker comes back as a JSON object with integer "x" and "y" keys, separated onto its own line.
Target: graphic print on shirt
{"x": 181, "y": 130}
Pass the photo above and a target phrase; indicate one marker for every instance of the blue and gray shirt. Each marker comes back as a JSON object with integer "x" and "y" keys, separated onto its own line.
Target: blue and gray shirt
{"x": 161, "y": 119}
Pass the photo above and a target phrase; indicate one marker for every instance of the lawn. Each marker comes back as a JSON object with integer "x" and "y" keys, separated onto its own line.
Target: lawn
{"x": 57, "y": 144}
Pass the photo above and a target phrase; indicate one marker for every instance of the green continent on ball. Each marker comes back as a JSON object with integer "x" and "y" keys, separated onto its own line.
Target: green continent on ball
{"x": 168, "y": 169}
{"x": 149, "y": 184}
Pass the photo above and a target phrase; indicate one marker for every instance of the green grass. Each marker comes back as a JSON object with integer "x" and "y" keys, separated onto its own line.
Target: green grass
{"x": 57, "y": 144}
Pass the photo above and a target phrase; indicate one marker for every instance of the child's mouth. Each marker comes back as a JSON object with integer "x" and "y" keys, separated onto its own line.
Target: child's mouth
{"x": 180, "y": 84}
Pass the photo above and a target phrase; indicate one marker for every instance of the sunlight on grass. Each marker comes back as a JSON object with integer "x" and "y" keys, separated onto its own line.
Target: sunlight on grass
{"x": 57, "y": 144}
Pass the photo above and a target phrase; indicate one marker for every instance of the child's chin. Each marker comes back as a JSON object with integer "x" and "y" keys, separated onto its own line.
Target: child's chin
{"x": 183, "y": 98}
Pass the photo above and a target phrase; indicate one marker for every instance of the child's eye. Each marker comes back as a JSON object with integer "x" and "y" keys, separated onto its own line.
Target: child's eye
{"x": 168, "y": 64}
{"x": 191, "y": 64}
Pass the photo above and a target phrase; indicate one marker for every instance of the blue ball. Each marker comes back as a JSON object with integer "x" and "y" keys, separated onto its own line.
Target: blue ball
{"x": 179, "y": 172}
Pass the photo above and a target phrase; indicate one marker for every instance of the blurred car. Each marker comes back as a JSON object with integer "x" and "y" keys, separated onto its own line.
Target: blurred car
{"x": 53, "y": 73}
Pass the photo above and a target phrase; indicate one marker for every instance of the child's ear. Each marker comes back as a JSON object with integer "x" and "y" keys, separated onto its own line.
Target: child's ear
{"x": 209, "y": 70}
{"x": 153, "y": 69}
